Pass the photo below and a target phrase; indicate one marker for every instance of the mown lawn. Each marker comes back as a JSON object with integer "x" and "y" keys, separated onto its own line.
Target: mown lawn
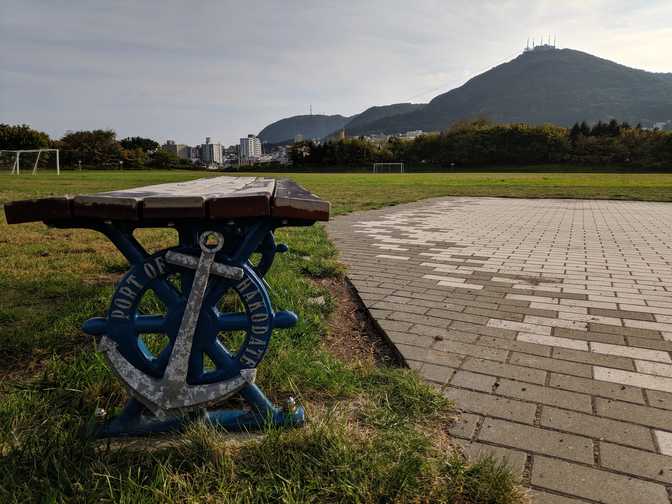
{"x": 376, "y": 432}
{"x": 356, "y": 191}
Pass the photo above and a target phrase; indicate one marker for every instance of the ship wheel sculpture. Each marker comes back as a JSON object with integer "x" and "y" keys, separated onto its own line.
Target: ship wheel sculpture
{"x": 193, "y": 368}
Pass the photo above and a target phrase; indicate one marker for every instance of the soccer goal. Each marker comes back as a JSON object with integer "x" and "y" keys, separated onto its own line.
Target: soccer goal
{"x": 388, "y": 167}
{"x": 16, "y": 166}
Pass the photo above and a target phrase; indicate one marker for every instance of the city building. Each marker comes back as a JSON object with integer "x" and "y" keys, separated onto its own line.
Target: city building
{"x": 250, "y": 149}
{"x": 377, "y": 138}
{"x": 180, "y": 150}
{"x": 663, "y": 125}
{"x": 280, "y": 154}
{"x": 211, "y": 153}
{"x": 411, "y": 135}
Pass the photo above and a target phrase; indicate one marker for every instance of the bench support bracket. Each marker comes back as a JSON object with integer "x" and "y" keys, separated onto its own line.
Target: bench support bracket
{"x": 188, "y": 326}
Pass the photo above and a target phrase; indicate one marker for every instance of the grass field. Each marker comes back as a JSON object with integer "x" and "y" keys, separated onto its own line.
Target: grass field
{"x": 356, "y": 191}
{"x": 376, "y": 434}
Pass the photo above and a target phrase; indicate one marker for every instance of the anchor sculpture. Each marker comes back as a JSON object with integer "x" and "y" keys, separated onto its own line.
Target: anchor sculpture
{"x": 209, "y": 286}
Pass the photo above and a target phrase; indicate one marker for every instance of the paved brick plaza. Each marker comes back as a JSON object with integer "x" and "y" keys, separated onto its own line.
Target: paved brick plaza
{"x": 549, "y": 322}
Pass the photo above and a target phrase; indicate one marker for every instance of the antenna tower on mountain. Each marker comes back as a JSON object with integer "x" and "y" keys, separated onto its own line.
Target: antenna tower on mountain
{"x": 544, "y": 45}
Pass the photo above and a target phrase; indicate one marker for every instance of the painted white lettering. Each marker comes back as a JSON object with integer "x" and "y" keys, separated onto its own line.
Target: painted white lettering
{"x": 259, "y": 317}
{"x": 119, "y": 314}
{"x": 150, "y": 271}
{"x": 131, "y": 280}
{"x": 128, "y": 292}
{"x": 249, "y": 296}
{"x": 246, "y": 361}
{"x": 256, "y": 306}
{"x": 243, "y": 284}
{"x": 254, "y": 353}
{"x": 122, "y": 303}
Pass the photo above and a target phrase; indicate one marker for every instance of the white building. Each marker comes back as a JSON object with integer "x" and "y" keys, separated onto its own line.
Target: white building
{"x": 411, "y": 135}
{"x": 250, "y": 149}
{"x": 211, "y": 153}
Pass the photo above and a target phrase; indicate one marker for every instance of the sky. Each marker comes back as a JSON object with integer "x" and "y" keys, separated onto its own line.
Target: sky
{"x": 187, "y": 70}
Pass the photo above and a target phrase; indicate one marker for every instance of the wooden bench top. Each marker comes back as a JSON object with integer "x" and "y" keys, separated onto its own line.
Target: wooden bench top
{"x": 206, "y": 198}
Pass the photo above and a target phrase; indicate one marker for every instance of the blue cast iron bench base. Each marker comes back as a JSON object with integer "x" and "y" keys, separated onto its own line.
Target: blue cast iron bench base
{"x": 210, "y": 284}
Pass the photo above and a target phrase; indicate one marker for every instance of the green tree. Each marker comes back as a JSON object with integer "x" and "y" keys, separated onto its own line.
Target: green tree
{"x": 96, "y": 148}
{"x": 613, "y": 128}
{"x": 585, "y": 129}
{"x": 575, "y": 132}
{"x": 146, "y": 144}
{"x": 163, "y": 159}
{"x": 481, "y": 143}
{"x": 134, "y": 159}
{"x": 22, "y": 137}
{"x": 599, "y": 129}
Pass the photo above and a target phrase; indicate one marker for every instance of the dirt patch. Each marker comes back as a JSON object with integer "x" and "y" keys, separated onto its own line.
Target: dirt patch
{"x": 17, "y": 371}
{"x": 352, "y": 333}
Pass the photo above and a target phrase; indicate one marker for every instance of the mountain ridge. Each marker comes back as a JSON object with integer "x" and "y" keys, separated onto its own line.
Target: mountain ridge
{"x": 310, "y": 126}
{"x": 543, "y": 85}
{"x": 320, "y": 126}
{"x": 558, "y": 86}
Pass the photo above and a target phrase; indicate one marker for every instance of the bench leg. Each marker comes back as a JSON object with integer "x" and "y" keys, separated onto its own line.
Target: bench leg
{"x": 119, "y": 333}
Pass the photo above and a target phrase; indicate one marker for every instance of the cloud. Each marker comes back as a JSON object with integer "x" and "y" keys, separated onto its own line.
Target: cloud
{"x": 186, "y": 70}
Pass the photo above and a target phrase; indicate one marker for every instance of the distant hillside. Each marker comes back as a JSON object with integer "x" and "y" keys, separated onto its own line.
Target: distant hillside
{"x": 310, "y": 126}
{"x": 545, "y": 86}
{"x": 373, "y": 114}
{"x": 320, "y": 126}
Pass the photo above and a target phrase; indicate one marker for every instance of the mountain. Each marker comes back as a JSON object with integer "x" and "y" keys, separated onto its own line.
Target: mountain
{"x": 373, "y": 114}
{"x": 544, "y": 85}
{"x": 310, "y": 126}
{"x": 320, "y": 126}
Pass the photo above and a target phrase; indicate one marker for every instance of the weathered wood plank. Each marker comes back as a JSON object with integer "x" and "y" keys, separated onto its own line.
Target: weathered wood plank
{"x": 174, "y": 200}
{"x": 56, "y": 208}
{"x": 251, "y": 199}
{"x": 185, "y": 199}
{"x": 213, "y": 198}
{"x": 291, "y": 201}
{"x": 106, "y": 206}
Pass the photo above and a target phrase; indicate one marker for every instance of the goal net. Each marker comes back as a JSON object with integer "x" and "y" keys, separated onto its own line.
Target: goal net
{"x": 388, "y": 167}
{"x": 30, "y": 158}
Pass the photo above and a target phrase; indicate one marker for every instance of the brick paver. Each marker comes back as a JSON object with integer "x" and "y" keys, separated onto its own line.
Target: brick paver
{"x": 548, "y": 322}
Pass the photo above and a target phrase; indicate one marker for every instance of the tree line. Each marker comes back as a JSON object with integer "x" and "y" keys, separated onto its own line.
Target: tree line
{"x": 92, "y": 149}
{"x": 466, "y": 144}
{"x": 481, "y": 143}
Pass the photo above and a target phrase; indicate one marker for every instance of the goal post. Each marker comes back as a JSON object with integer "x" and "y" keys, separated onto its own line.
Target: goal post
{"x": 388, "y": 167}
{"x": 16, "y": 166}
